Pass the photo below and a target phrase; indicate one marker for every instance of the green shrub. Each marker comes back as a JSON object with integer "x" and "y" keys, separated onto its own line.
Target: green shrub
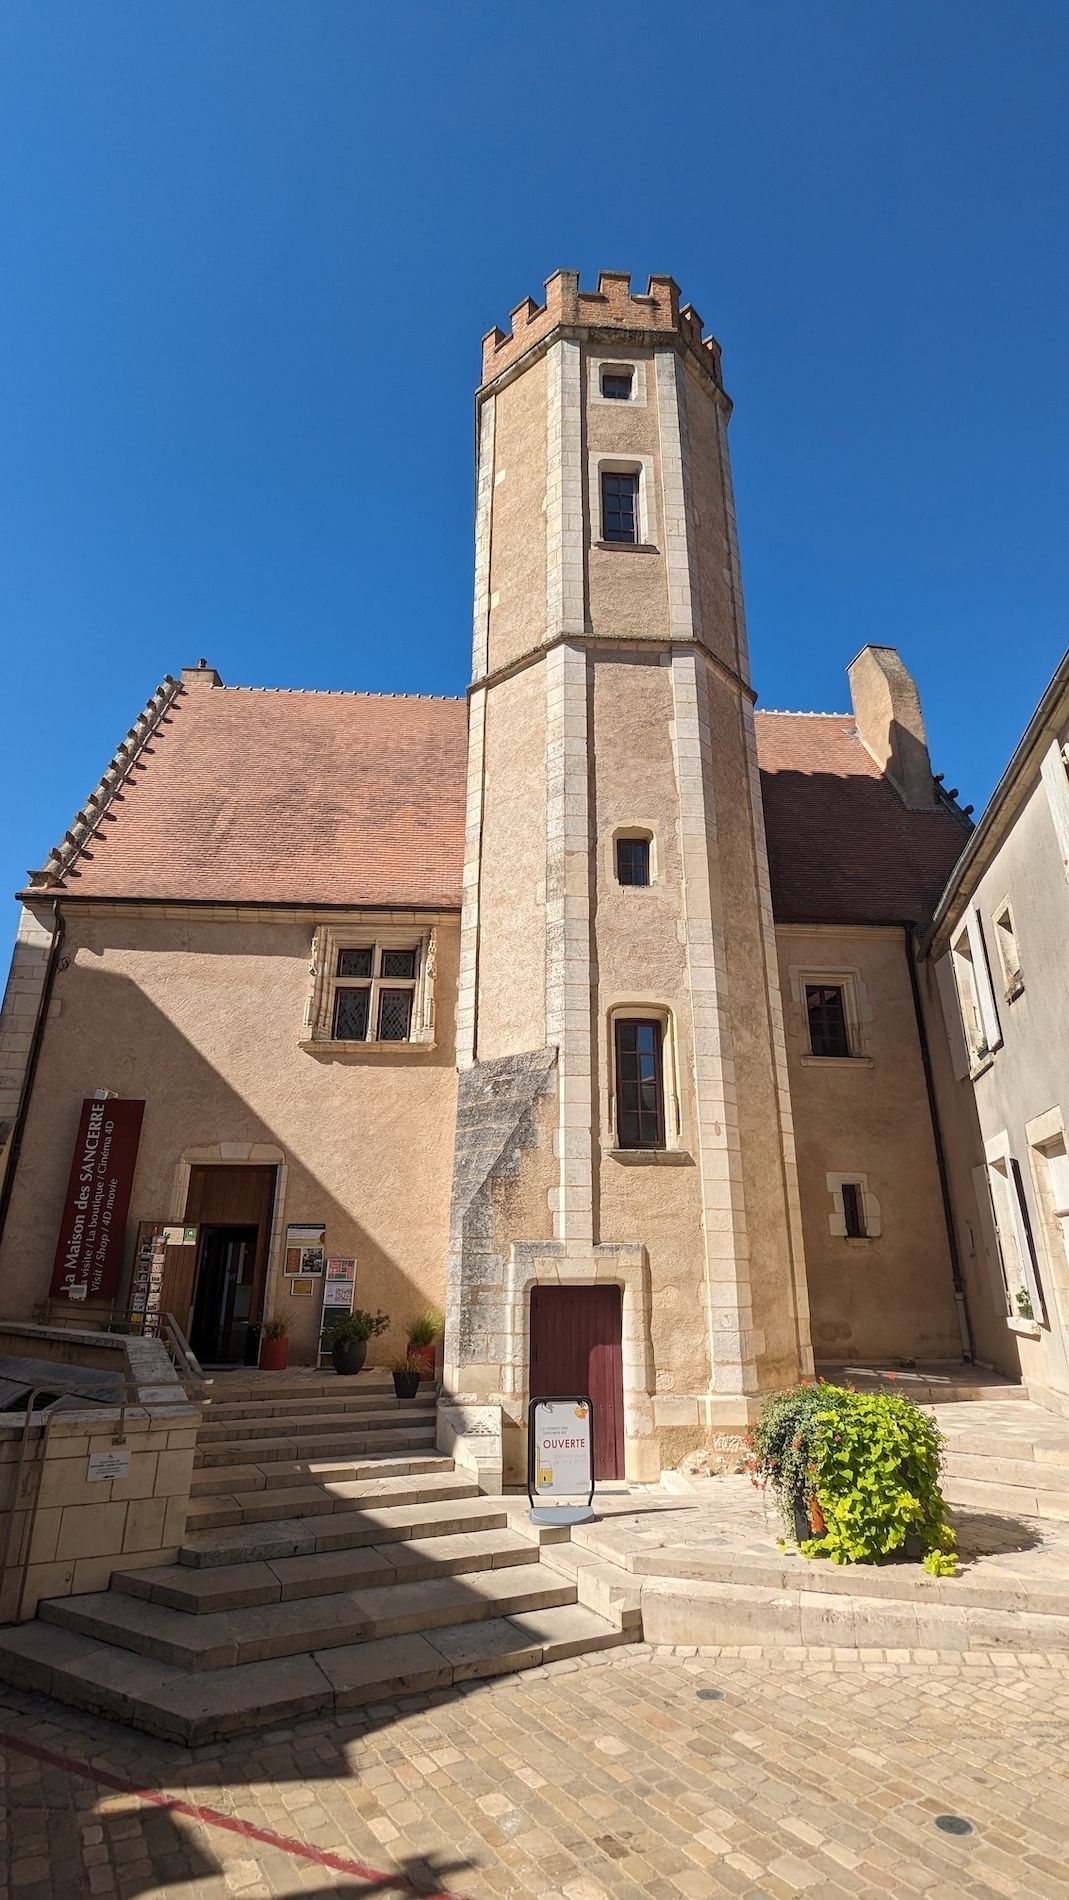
{"x": 863, "y": 1467}
{"x": 357, "y": 1325}
{"x": 425, "y": 1328}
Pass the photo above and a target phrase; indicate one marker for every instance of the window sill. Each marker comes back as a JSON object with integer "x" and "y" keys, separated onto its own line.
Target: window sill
{"x": 810, "y": 1061}
{"x": 1027, "y": 1328}
{"x": 327, "y": 1048}
{"x": 651, "y": 1157}
{"x": 628, "y": 547}
{"x": 981, "y": 1066}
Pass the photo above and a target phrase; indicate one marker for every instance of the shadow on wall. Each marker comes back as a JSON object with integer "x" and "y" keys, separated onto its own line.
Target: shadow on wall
{"x": 366, "y": 1116}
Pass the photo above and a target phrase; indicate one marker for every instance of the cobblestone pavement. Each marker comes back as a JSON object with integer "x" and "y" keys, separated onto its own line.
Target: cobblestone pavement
{"x": 805, "y": 1771}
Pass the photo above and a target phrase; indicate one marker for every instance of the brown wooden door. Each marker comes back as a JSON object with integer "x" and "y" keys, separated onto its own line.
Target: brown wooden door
{"x": 223, "y": 1197}
{"x": 576, "y": 1347}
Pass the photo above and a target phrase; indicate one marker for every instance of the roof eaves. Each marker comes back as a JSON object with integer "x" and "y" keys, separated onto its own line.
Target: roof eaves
{"x": 1001, "y": 809}
{"x": 87, "y": 820}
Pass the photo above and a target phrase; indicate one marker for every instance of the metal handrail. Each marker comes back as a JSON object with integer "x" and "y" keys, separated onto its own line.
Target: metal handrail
{"x": 188, "y": 1367}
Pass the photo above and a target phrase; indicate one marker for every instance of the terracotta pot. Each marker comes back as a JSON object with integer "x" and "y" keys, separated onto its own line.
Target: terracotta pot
{"x": 422, "y": 1359}
{"x": 350, "y": 1357}
{"x": 274, "y": 1355}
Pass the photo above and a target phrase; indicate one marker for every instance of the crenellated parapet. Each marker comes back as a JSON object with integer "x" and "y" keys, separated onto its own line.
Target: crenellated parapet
{"x": 612, "y": 306}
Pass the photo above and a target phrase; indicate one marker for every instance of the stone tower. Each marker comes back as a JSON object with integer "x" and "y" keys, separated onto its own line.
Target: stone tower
{"x": 610, "y": 701}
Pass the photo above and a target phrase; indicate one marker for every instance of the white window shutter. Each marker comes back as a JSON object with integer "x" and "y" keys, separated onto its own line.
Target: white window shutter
{"x": 1056, "y": 786}
{"x": 948, "y": 996}
{"x": 985, "y": 995}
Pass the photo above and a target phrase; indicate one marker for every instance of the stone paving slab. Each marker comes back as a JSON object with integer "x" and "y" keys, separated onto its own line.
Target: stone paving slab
{"x": 614, "y": 1777}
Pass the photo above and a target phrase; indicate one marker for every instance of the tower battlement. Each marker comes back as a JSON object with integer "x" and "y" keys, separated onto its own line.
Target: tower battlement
{"x": 613, "y": 305}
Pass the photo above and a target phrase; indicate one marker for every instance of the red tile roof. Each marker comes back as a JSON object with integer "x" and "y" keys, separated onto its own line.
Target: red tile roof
{"x": 302, "y": 798}
{"x": 842, "y": 847}
{"x": 248, "y": 796}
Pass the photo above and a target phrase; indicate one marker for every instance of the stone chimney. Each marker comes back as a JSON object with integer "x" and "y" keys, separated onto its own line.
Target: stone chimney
{"x": 200, "y": 675}
{"x": 890, "y": 724}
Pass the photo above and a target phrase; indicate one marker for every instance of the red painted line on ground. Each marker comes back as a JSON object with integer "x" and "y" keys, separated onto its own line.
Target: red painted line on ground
{"x": 211, "y": 1817}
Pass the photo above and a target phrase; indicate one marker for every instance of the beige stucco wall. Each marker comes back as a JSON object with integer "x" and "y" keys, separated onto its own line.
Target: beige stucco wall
{"x": 1022, "y": 1094}
{"x": 201, "y": 1016}
{"x": 512, "y": 941}
{"x": 892, "y": 1296}
{"x": 714, "y": 551}
{"x": 518, "y": 548}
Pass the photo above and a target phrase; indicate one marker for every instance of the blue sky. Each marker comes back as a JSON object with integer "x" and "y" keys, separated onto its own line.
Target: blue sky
{"x": 250, "y": 247}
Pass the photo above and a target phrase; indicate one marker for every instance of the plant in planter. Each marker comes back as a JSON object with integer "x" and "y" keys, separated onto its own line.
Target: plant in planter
{"x": 275, "y": 1343}
{"x": 856, "y": 1475}
{"x": 422, "y": 1333}
{"x": 405, "y": 1378}
{"x": 349, "y": 1336}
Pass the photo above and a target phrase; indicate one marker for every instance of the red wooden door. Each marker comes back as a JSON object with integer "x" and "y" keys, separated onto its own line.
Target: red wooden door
{"x": 576, "y": 1347}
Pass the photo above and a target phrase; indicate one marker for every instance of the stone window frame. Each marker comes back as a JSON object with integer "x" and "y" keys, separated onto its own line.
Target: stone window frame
{"x": 649, "y": 1010}
{"x": 854, "y": 1177}
{"x": 1004, "y": 926}
{"x": 975, "y": 992}
{"x": 1048, "y": 1145}
{"x": 1014, "y": 1235}
{"x": 640, "y": 829}
{"x": 317, "y": 1029}
{"x": 856, "y": 1007}
{"x": 637, "y": 366}
{"x": 601, "y": 462}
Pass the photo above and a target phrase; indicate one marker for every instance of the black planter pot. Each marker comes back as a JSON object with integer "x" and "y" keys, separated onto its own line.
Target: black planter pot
{"x": 350, "y": 1356}
{"x": 406, "y": 1384}
{"x": 913, "y": 1546}
{"x": 801, "y": 1525}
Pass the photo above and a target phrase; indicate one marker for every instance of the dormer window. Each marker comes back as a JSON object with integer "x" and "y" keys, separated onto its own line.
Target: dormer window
{"x": 617, "y": 384}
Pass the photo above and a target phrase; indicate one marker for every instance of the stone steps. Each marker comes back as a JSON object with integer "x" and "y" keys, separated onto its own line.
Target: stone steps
{"x": 226, "y": 1411}
{"x": 328, "y": 1444}
{"x": 250, "y": 1585}
{"x": 211, "y": 1480}
{"x": 460, "y": 1512}
{"x": 195, "y": 1708}
{"x": 1012, "y": 1500}
{"x": 227, "y": 1639}
{"x": 323, "y": 1499}
{"x": 366, "y": 1421}
{"x": 329, "y": 1559}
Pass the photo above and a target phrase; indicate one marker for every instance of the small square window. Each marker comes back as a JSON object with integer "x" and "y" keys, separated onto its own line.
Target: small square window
{"x": 398, "y": 964}
{"x": 351, "y": 1015}
{"x": 616, "y": 384}
{"x": 827, "y": 1020}
{"x": 633, "y": 860}
{"x": 395, "y": 1015}
{"x": 355, "y": 962}
{"x": 619, "y": 507}
{"x": 854, "y": 1210}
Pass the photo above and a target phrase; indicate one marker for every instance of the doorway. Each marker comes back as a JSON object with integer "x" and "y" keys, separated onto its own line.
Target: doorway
{"x": 222, "y": 1309}
{"x": 576, "y": 1347}
{"x": 216, "y": 1290}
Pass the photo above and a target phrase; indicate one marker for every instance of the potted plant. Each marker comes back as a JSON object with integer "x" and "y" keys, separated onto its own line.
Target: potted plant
{"x": 422, "y": 1333}
{"x": 275, "y": 1343}
{"x": 349, "y": 1336}
{"x": 855, "y": 1474}
{"x": 405, "y": 1378}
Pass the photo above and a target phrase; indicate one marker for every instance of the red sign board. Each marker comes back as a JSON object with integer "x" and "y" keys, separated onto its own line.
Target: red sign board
{"x": 89, "y": 1254}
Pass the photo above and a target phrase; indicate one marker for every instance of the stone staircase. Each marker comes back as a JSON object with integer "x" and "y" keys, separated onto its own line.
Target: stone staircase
{"x": 332, "y": 1558}
{"x": 1013, "y": 1460}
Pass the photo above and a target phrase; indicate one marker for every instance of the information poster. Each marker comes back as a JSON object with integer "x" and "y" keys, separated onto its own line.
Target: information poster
{"x": 563, "y": 1436}
{"x": 304, "y": 1247}
{"x": 339, "y": 1292}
